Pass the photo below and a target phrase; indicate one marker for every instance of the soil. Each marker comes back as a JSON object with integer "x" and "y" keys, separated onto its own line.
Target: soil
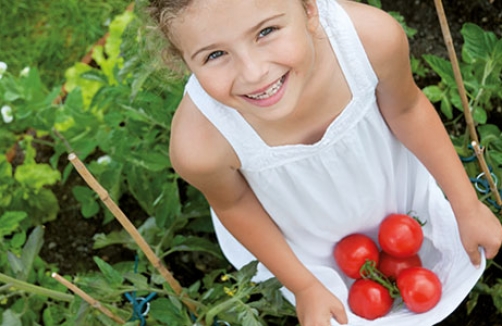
{"x": 68, "y": 240}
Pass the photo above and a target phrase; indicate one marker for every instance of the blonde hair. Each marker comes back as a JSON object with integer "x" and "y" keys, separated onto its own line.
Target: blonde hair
{"x": 163, "y": 12}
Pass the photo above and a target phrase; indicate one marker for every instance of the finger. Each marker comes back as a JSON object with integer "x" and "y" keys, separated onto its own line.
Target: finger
{"x": 340, "y": 315}
{"x": 475, "y": 257}
{"x": 491, "y": 252}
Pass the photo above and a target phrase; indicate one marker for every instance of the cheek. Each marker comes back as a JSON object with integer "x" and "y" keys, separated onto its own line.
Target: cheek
{"x": 216, "y": 83}
{"x": 299, "y": 52}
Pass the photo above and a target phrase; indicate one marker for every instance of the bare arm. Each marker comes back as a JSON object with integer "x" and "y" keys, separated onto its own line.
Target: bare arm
{"x": 415, "y": 122}
{"x": 212, "y": 167}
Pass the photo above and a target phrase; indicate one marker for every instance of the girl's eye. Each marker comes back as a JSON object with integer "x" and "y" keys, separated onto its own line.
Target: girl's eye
{"x": 264, "y": 32}
{"x": 214, "y": 55}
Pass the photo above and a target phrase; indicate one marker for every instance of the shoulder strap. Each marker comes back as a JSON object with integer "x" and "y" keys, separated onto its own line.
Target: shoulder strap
{"x": 347, "y": 46}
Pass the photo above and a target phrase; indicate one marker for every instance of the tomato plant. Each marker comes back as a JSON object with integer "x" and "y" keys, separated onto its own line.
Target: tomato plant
{"x": 353, "y": 251}
{"x": 420, "y": 288}
{"x": 400, "y": 235}
{"x": 369, "y": 300}
{"x": 392, "y": 266}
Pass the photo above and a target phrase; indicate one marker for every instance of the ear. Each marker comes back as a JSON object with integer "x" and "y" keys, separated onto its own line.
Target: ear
{"x": 312, "y": 15}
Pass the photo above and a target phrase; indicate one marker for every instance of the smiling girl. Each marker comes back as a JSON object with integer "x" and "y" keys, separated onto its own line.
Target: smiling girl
{"x": 301, "y": 124}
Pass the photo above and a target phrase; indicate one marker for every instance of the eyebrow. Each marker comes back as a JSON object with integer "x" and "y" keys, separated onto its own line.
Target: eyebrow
{"x": 257, "y": 26}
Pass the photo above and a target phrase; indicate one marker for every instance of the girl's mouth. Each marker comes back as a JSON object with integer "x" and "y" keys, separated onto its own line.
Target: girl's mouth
{"x": 269, "y": 92}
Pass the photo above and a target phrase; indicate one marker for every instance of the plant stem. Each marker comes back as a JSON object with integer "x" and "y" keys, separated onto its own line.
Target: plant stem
{"x": 90, "y": 300}
{"x": 131, "y": 229}
{"x": 465, "y": 104}
{"x": 369, "y": 271}
{"x": 21, "y": 285}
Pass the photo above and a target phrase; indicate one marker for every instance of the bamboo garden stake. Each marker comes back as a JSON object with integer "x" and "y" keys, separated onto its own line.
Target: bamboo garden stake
{"x": 130, "y": 228}
{"x": 90, "y": 300}
{"x": 465, "y": 103}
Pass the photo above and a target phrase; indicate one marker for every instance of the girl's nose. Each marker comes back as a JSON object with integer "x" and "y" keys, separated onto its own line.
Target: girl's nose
{"x": 252, "y": 69}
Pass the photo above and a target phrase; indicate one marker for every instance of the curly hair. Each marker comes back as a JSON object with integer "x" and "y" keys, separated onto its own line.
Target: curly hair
{"x": 163, "y": 12}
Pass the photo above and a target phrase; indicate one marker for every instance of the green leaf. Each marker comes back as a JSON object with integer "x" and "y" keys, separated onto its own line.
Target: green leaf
{"x": 433, "y": 93}
{"x": 472, "y": 302}
{"x": 495, "y": 158}
{"x": 9, "y": 222}
{"x": 489, "y": 130}
{"x": 95, "y": 75}
{"x": 479, "y": 115}
{"x": 48, "y": 318}
{"x": 117, "y": 27}
{"x": 442, "y": 67}
{"x": 193, "y": 243}
{"x": 446, "y": 108}
{"x": 497, "y": 52}
{"x": 10, "y": 318}
{"x": 167, "y": 206}
{"x": 12, "y": 90}
{"x": 102, "y": 240}
{"x": 250, "y": 318}
{"x": 154, "y": 162}
{"x": 496, "y": 293}
{"x": 113, "y": 277}
{"x": 247, "y": 272}
{"x": 31, "y": 250}
{"x": 37, "y": 176}
{"x": 87, "y": 199}
{"x": 43, "y": 205}
{"x": 18, "y": 240}
{"x": 479, "y": 44}
{"x": 73, "y": 81}
{"x": 15, "y": 264}
{"x": 139, "y": 281}
{"x": 166, "y": 312}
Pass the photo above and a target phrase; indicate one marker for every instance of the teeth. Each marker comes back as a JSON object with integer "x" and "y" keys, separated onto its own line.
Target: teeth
{"x": 269, "y": 92}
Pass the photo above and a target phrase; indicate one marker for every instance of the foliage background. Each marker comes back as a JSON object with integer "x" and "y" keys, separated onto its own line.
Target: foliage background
{"x": 114, "y": 111}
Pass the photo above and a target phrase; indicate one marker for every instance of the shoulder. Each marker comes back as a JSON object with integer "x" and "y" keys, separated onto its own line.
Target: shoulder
{"x": 381, "y": 35}
{"x": 197, "y": 150}
{"x": 386, "y": 46}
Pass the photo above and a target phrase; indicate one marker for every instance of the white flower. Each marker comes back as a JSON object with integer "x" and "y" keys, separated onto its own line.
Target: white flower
{"x": 7, "y": 115}
{"x": 105, "y": 159}
{"x": 3, "y": 68}
{"x": 25, "y": 72}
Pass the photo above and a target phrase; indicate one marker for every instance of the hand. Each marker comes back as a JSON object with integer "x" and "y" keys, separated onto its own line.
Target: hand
{"x": 316, "y": 305}
{"x": 480, "y": 227}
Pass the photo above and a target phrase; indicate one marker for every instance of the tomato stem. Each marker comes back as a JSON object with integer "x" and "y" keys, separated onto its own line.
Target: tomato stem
{"x": 370, "y": 271}
{"x": 414, "y": 216}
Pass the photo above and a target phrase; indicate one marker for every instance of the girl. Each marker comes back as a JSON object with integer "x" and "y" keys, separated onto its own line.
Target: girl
{"x": 302, "y": 124}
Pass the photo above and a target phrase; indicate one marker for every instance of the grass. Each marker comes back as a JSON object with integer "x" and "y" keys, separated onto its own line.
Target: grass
{"x": 52, "y": 34}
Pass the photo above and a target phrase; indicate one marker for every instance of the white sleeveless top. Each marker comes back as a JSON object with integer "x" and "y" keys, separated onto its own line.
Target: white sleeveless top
{"x": 347, "y": 182}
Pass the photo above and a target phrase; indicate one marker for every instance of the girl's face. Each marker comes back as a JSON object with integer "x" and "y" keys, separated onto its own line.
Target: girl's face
{"x": 256, "y": 56}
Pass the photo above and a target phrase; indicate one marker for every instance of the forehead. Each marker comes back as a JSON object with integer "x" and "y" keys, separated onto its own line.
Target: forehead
{"x": 208, "y": 21}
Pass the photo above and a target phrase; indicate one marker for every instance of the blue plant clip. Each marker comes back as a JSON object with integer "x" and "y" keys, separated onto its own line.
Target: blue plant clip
{"x": 481, "y": 184}
{"x": 140, "y": 305}
{"x": 468, "y": 159}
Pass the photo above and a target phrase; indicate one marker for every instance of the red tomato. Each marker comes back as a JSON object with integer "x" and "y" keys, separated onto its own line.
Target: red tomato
{"x": 352, "y": 252}
{"x": 400, "y": 235}
{"x": 368, "y": 299}
{"x": 420, "y": 288}
{"x": 392, "y": 266}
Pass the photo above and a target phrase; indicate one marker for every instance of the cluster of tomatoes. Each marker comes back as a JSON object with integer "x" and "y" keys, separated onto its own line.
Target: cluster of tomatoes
{"x": 395, "y": 271}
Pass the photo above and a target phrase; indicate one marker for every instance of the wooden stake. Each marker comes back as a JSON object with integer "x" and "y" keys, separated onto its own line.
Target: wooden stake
{"x": 93, "y": 302}
{"x": 130, "y": 228}
{"x": 465, "y": 103}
